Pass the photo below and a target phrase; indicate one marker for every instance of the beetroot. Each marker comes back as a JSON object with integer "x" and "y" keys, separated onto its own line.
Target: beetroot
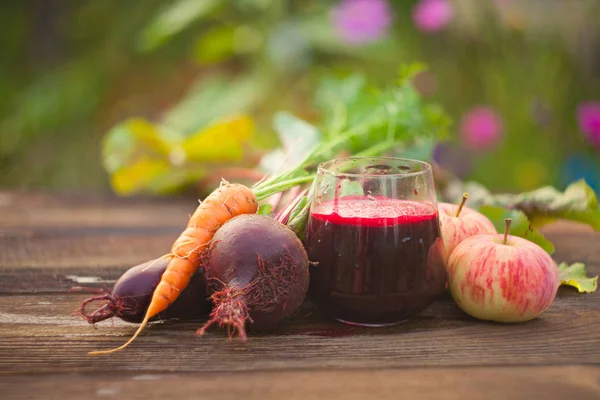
{"x": 131, "y": 296}
{"x": 257, "y": 271}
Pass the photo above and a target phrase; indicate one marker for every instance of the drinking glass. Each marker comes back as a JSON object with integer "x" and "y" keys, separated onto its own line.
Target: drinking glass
{"x": 374, "y": 236}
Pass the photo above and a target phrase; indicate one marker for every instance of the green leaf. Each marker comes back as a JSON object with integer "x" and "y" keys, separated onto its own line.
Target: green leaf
{"x": 520, "y": 225}
{"x": 295, "y": 133}
{"x": 541, "y": 206}
{"x": 575, "y": 276}
{"x": 265, "y": 209}
{"x": 334, "y": 95}
{"x": 173, "y": 19}
{"x": 215, "y": 46}
{"x": 298, "y": 138}
{"x": 577, "y": 203}
{"x": 530, "y": 210}
{"x": 409, "y": 71}
{"x": 210, "y": 99}
{"x": 438, "y": 119}
{"x": 394, "y": 114}
{"x": 479, "y": 195}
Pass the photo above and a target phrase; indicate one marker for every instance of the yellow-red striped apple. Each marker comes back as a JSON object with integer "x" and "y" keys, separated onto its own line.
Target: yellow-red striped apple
{"x": 502, "y": 278}
{"x": 459, "y": 222}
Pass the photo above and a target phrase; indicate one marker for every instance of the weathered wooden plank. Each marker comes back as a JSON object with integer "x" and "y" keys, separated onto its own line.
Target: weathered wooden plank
{"x": 29, "y": 211}
{"x": 85, "y": 250}
{"x": 575, "y": 243}
{"x": 38, "y": 336}
{"x": 45, "y": 240}
{"x": 579, "y": 382}
{"x": 48, "y": 242}
{"x": 56, "y": 263}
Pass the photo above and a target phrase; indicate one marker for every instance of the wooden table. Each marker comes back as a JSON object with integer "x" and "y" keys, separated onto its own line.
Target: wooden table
{"x": 49, "y": 244}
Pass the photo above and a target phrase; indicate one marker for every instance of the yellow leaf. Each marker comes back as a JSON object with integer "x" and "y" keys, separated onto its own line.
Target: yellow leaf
{"x": 541, "y": 220}
{"x": 221, "y": 141}
{"x": 147, "y": 133}
{"x": 135, "y": 177}
{"x": 582, "y": 288}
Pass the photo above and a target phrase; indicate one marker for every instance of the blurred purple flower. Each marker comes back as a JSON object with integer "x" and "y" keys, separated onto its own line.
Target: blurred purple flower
{"x": 432, "y": 15}
{"x": 481, "y": 128}
{"x": 361, "y": 21}
{"x": 588, "y": 117}
{"x": 453, "y": 158}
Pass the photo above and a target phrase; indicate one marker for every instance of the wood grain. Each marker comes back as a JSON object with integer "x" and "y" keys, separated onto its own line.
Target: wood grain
{"x": 28, "y": 212}
{"x": 50, "y": 243}
{"x": 38, "y": 335}
{"x": 578, "y": 382}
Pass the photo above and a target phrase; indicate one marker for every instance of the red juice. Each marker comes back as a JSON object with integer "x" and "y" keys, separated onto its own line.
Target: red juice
{"x": 380, "y": 260}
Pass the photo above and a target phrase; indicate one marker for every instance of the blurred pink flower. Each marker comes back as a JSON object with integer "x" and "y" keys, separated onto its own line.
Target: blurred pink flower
{"x": 481, "y": 128}
{"x": 588, "y": 117}
{"x": 432, "y": 15}
{"x": 361, "y": 21}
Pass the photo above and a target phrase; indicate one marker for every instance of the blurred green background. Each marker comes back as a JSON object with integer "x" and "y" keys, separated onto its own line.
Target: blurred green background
{"x": 520, "y": 79}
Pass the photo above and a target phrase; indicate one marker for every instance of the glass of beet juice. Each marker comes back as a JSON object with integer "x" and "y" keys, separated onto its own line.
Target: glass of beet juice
{"x": 374, "y": 235}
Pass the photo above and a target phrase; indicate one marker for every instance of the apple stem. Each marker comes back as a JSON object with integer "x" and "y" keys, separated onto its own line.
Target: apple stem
{"x": 462, "y": 203}
{"x": 507, "y": 221}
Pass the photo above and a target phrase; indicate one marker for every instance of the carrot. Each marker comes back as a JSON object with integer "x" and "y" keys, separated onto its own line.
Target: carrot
{"x": 226, "y": 202}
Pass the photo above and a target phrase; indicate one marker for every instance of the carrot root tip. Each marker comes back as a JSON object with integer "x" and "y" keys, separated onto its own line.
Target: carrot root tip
{"x": 136, "y": 334}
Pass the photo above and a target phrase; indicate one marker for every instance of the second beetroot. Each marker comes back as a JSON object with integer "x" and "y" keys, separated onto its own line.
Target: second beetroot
{"x": 131, "y": 295}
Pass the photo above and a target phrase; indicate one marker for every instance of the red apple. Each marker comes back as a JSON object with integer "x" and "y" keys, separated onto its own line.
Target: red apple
{"x": 459, "y": 222}
{"x": 502, "y": 278}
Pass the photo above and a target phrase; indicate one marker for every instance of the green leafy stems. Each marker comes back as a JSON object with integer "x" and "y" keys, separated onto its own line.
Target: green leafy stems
{"x": 278, "y": 185}
{"x": 363, "y": 121}
{"x": 299, "y": 175}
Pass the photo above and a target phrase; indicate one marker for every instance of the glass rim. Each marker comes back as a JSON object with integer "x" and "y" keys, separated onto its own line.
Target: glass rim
{"x": 325, "y": 167}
